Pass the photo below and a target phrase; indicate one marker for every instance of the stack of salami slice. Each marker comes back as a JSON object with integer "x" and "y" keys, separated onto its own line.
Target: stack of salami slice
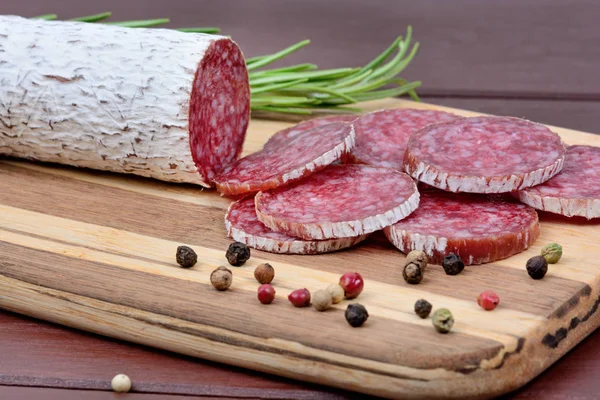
{"x": 431, "y": 180}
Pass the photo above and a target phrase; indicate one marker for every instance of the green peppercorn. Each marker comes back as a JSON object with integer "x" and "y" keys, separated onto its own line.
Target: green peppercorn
{"x": 537, "y": 267}
{"x": 552, "y": 252}
{"x": 442, "y": 320}
{"x": 356, "y": 314}
{"x": 452, "y": 264}
{"x": 237, "y": 254}
{"x": 413, "y": 273}
{"x": 186, "y": 257}
{"x": 423, "y": 308}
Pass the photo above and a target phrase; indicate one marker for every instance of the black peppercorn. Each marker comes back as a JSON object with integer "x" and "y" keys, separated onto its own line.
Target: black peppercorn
{"x": 452, "y": 264}
{"x": 423, "y": 308}
{"x": 186, "y": 257}
{"x": 356, "y": 314}
{"x": 237, "y": 254}
{"x": 413, "y": 273}
{"x": 537, "y": 267}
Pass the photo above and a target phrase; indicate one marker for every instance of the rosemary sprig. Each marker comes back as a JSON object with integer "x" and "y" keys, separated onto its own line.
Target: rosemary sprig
{"x": 304, "y": 88}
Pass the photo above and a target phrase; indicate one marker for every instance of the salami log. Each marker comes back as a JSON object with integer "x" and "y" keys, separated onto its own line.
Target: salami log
{"x": 479, "y": 228}
{"x": 296, "y": 158}
{"x": 382, "y": 136}
{"x": 152, "y": 102}
{"x": 243, "y": 226}
{"x": 339, "y": 201}
{"x": 484, "y": 155}
{"x": 573, "y": 192}
{"x": 280, "y": 139}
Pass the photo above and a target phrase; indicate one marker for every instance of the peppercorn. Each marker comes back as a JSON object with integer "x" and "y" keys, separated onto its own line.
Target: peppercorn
{"x": 264, "y": 273}
{"x": 488, "y": 300}
{"x": 552, "y": 252}
{"x": 356, "y": 314}
{"x": 120, "y": 383}
{"x": 352, "y": 283}
{"x": 537, "y": 267}
{"x": 336, "y": 292}
{"x": 423, "y": 308}
{"x": 237, "y": 254}
{"x": 321, "y": 300}
{"x": 221, "y": 278}
{"x": 186, "y": 257}
{"x": 452, "y": 264}
{"x": 266, "y": 293}
{"x": 442, "y": 320}
{"x": 300, "y": 298}
{"x": 413, "y": 273}
{"x": 419, "y": 256}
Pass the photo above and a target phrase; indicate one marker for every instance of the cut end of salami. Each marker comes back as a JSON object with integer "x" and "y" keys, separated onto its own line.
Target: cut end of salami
{"x": 484, "y": 155}
{"x": 298, "y": 157}
{"x": 243, "y": 225}
{"x": 382, "y": 136}
{"x": 339, "y": 201}
{"x": 219, "y": 109}
{"x": 573, "y": 192}
{"x": 479, "y": 228}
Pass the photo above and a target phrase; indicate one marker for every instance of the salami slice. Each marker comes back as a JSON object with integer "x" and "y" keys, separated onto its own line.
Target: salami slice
{"x": 479, "y": 228}
{"x": 152, "y": 102}
{"x": 280, "y": 140}
{"x": 382, "y": 136}
{"x": 484, "y": 155}
{"x": 339, "y": 201}
{"x": 300, "y": 156}
{"x": 573, "y": 192}
{"x": 243, "y": 226}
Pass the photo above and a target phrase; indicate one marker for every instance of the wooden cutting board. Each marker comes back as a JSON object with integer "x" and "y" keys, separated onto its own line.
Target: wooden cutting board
{"x": 95, "y": 251}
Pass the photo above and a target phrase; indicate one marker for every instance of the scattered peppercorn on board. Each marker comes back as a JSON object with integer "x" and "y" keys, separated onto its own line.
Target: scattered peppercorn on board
{"x": 96, "y": 251}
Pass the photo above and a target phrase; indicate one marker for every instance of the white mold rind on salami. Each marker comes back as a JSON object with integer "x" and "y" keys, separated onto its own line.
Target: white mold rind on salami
{"x": 339, "y": 201}
{"x": 152, "y": 102}
{"x": 479, "y": 228}
{"x": 484, "y": 155}
{"x": 298, "y": 157}
{"x": 243, "y": 226}
{"x": 575, "y": 192}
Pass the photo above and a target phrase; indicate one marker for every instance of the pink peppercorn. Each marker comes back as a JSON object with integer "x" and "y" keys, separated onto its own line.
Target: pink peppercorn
{"x": 266, "y": 293}
{"x": 352, "y": 283}
{"x": 488, "y": 300}
{"x": 300, "y": 298}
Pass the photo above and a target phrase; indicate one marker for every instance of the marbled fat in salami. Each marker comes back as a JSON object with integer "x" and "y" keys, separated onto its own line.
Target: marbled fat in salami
{"x": 296, "y": 158}
{"x": 479, "y": 228}
{"x": 484, "y": 155}
{"x": 382, "y": 136}
{"x": 243, "y": 226}
{"x": 339, "y": 201}
{"x": 573, "y": 192}
{"x": 280, "y": 139}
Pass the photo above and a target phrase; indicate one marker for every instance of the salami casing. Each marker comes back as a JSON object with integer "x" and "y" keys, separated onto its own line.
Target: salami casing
{"x": 484, "y": 155}
{"x": 243, "y": 226}
{"x": 479, "y": 228}
{"x": 573, "y": 192}
{"x": 296, "y": 158}
{"x": 339, "y": 201}
{"x": 152, "y": 102}
{"x": 382, "y": 136}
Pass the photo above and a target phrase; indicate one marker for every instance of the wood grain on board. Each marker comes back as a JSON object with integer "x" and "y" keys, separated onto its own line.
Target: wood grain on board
{"x": 95, "y": 251}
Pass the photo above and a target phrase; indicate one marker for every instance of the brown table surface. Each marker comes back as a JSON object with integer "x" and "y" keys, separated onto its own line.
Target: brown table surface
{"x": 536, "y": 59}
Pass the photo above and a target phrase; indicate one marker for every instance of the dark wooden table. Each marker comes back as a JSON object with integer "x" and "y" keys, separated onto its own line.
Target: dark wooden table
{"x": 528, "y": 58}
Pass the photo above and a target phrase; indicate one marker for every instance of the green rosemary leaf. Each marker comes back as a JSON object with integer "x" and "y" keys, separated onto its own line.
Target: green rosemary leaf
{"x": 292, "y": 68}
{"x": 209, "y": 30}
{"x": 284, "y": 110}
{"x": 140, "y": 23}
{"x": 282, "y": 100}
{"x": 310, "y": 91}
{"x": 46, "y": 17}
{"x": 93, "y": 18}
{"x": 345, "y": 82}
{"x": 285, "y": 76}
{"x": 380, "y": 94}
{"x": 265, "y": 60}
{"x": 274, "y": 87}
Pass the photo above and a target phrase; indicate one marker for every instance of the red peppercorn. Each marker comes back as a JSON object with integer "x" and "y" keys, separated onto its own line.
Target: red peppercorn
{"x": 488, "y": 300}
{"x": 266, "y": 293}
{"x": 352, "y": 283}
{"x": 300, "y": 298}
